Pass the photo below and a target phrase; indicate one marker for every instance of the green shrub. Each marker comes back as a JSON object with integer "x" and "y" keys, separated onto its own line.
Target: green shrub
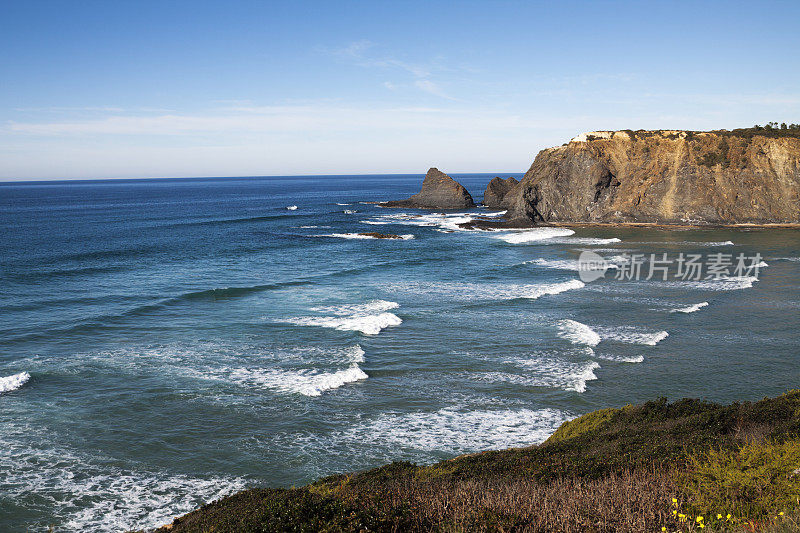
{"x": 754, "y": 481}
{"x": 583, "y": 424}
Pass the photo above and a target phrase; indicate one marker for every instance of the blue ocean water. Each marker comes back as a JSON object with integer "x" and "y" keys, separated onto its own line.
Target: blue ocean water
{"x": 167, "y": 342}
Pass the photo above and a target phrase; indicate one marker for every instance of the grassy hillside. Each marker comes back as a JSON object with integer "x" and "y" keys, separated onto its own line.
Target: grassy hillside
{"x": 686, "y": 466}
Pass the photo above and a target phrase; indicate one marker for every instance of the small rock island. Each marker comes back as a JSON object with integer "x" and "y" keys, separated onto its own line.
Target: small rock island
{"x": 439, "y": 191}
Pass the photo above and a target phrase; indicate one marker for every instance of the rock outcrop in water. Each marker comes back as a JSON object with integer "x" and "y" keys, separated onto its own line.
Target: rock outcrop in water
{"x": 376, "y": 235}
{"x": 439, "y": 191}
{"x": 664, "y": 177}
{"x": 497, "y": 189}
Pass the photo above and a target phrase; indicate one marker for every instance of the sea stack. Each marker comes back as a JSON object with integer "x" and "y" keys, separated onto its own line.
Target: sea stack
{"x": 439, "y": 191}
{"x": 497, "y": 189}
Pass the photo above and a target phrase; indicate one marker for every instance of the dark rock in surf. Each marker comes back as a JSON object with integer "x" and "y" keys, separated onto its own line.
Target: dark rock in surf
{"x": 497, "y": 190}
{"x": 376, "y": 235}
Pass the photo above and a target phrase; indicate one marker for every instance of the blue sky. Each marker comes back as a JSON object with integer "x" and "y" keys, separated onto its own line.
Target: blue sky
{"x": 142, "y": 89}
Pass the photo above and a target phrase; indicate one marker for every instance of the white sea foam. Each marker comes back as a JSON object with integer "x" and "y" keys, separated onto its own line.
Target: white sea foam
{"x": 546, "y": 372}
{"x": 536, "y": 291}
{"x": 9, "y": 383}
{"x": 585, "y": 241}
{"x": 620, "y": 358}
{"x": 578, "y": 333}
{"x": 446, "y": 221}
{"x": 349, "y": 211}
{"x": 563, "y": 264}
{"x": 291, "y": 207}
{"x": 722, "y": 284}
{"x": 690, "y": 309}
{"x": 709, "y": 243}
{"x": 366, "y": 324}
{"x": 340, "y": 203}
{"x": 688, "y": 243}
{"x": 358, "y": 309}
{"x": 456, "y": 431}
{"x": 559, "y": 264}
{"x": 368, "y": 318}
{"x": 534, "y": 235}
{"x": 360, "y": 236}
{"x": 494, "y": 214}
{"x": 87, "y": 494}
{"x": 311, "y": 227}
{"x": 355, "y": 354}
{"x": 306, "y": 382}
{"x": 632, "y": 335}
{"x": 487, "y": 291}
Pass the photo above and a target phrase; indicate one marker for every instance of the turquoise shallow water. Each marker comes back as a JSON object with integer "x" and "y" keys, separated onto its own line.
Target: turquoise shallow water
{"x": 166, "y": 342}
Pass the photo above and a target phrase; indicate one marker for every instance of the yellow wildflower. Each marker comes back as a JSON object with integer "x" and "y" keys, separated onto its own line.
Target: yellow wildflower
{"x": 719, "y": 516}
{"x": 780, "y": 514}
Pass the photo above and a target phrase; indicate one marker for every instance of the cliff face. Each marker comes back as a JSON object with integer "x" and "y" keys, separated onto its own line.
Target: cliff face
{"x": 667, "y": 177}
{"x": 439, "y": 191}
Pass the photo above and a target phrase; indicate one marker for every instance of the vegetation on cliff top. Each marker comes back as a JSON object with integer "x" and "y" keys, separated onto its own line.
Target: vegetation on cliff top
{"x": 681, "y": 466}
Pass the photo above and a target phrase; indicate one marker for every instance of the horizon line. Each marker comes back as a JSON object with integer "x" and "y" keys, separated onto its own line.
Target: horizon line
{"x": 5, "y": 181}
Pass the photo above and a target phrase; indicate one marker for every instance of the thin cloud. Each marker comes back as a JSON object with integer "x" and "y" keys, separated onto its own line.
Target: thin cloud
{"x": 430, "y": 87}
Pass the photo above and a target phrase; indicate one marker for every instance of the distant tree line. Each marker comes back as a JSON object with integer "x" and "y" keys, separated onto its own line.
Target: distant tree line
{"x": 774, "y": 126}
{"x": 770, "y": 129}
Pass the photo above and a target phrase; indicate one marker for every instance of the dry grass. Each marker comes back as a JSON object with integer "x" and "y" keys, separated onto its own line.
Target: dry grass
{"x": 626, "y": 502}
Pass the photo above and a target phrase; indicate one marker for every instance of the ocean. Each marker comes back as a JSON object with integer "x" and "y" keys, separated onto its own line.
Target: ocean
{"x": 166, "y": 342}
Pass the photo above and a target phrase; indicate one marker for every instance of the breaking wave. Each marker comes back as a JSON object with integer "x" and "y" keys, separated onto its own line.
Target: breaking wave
{"x": 370, "y": 318}
{"x": 690, "y": 309}
{"x": 633, "y": 335}
{"x": 547, "y": 372}
{"x": 488, "y": 291}
{"x": 305, "y": 382}
{"x": 578, "y": 333}
{"x": 450, "y": 221}
{"x": 722, "y": 284}
{"x": 9, "y": 383}
{"x": 534, "y": 235}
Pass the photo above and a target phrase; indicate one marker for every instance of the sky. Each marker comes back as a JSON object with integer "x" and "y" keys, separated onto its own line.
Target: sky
{"x": 170, "y": 88}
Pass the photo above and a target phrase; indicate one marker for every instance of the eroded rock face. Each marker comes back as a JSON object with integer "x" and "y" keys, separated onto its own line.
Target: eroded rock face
{"x": 666, "y": 177}
{"x": 439, "y": 191}
{"x": 497, "y": 189}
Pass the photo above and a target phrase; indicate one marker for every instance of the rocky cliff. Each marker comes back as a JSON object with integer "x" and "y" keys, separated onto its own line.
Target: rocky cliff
{"x": 665, "y": 177}
{"x": 439, "y": 191}
{"x": 497, "y": 190}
